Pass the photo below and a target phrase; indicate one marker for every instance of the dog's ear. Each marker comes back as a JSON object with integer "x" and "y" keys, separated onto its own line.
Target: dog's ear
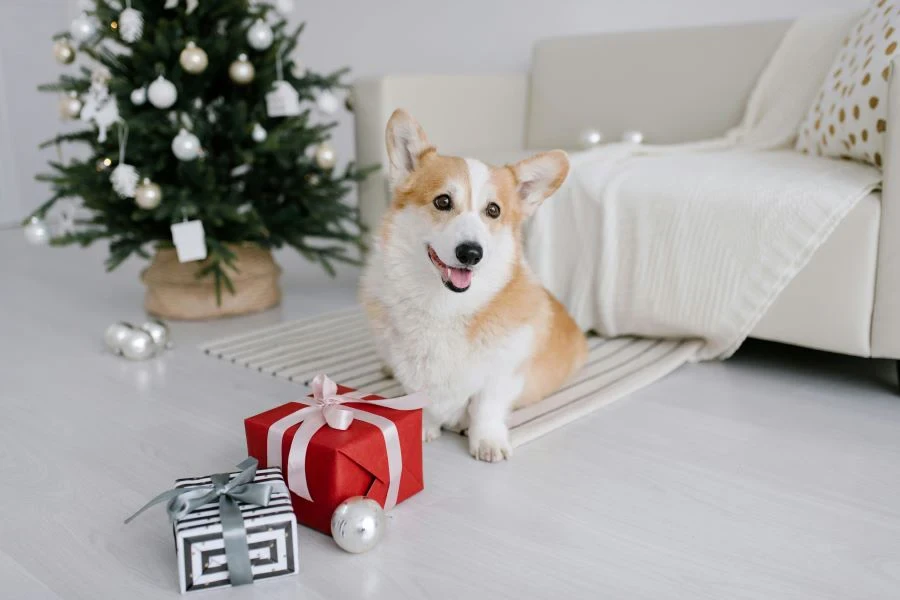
{"x": 406, "y": 142}
{"x": 538, "y": 177}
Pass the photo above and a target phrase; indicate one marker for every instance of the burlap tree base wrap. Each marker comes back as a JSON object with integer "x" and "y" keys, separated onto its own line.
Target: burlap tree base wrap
{"x": 174, "y": 292}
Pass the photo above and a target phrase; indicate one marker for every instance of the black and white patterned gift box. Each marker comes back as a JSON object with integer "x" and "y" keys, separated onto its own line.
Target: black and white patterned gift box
{"x": 271, "y": 537}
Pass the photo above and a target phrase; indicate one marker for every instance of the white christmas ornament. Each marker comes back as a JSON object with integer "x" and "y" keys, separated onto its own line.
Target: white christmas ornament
{"x": 357, "y": 524}
{"x": 259, "y": 134}
{"x": 83, "y": 28}
{"x": 139, "y": 96}
{"x": 124, "y": 180}
{"x": 633, "y": 137}
{"x": 186, "y": 145}
{"x": 326, "y": 157}
{"x": 327, "y": 102}
{"x": 189, "y": 240}
{"x": 131, "y": 24}
{"x": 99, "y": 106}
{"x": 124, "y": 177}
{"x": 283, "y": 100}
{"x": 115, "y": 336}
{"x": 159, "y": 332}
{"x": 138, "y": 345}
{"x": 36, "y": 232}
{"x": 590, "y": 138}
{"x": 148, "y": 195}
{"x": 162, "y": 93}
{"x": 193, "y": 59}
{"x": 260, "y": 35}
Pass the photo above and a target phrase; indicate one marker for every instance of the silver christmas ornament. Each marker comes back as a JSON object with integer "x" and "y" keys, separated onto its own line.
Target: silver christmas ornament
{"x": 162, "y": 93}
{"x": 633, "y": 137}
{"x": 36, "y": 232}
{"x": 186, "y": 145}
{"x": 327, "y": 102}
{"x": 131, "y": 24}
{"x": 260, "y": 35}
{"x": 193, "y": 59}
{"x": 326, "y": 157}
{"x": 358, "y": 524}
{"x": 139, "y": 96}
{"x": 116, "y": 334}
{"x": 138, "y": 345}
{"x": 242, "y": 70}
{"x": 70, "y": 106}
{"x": 83, "y": 28}
{"x": 590, "y": 138}
{"x": 259, "y": 134}
{"x": 148, "y": 195}
{"x": 159, "y": 332}
{"x": 64, "y": 52}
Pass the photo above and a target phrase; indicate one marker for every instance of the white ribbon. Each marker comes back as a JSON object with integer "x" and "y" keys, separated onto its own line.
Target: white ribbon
{"x": 329, "y": 410}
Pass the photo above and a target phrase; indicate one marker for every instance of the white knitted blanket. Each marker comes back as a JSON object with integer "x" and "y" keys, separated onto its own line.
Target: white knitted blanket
{"x": 697, "y": 241}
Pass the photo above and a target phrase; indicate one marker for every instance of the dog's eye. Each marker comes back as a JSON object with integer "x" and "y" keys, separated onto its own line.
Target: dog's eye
{"x": 443, "y": 202}
{"x": 492, "y": 210}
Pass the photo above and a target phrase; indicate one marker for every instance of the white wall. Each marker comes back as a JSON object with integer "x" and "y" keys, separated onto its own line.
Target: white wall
{"x": 491, "y": 36}
{"x": 397, "y": 36}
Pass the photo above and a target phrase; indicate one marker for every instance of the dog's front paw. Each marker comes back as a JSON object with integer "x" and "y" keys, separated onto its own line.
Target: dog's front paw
{"x": 490, "y": 446}
{"x": 430, "y": 433}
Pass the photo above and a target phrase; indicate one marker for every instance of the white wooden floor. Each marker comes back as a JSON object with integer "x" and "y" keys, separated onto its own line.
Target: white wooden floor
{"x": 775, "y": 475}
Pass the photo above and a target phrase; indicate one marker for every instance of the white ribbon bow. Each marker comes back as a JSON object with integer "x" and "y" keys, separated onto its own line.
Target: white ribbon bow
{"x": 329, "y": 410}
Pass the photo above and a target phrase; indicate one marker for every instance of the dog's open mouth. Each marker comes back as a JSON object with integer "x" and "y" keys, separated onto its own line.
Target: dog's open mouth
{"x": 454, "y": 278}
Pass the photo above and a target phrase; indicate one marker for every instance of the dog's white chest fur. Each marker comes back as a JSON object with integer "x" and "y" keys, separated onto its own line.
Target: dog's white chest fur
{"x": 436, "y": 354}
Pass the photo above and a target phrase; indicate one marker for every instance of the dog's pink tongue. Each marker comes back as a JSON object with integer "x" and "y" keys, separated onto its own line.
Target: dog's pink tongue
{"x": 460, "y": 278}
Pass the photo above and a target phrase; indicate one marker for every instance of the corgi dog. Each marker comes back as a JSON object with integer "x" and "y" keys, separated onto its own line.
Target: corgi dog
{"x": 454, "y": 309}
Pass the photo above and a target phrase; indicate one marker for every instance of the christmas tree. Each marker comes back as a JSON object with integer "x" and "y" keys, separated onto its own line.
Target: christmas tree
{"x": 196, "y": 112}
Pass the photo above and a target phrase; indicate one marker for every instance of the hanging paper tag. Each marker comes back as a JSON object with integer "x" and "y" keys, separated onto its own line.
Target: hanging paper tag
{"x": 190, "y": 240}
{"x": 283, "y": 100}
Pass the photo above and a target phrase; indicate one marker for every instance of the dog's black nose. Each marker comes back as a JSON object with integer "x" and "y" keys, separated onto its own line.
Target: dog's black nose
{"x": 469, "y": 253}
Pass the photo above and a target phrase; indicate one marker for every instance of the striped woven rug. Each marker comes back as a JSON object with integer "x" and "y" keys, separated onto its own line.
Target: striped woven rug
{"x": 339, "y": 345}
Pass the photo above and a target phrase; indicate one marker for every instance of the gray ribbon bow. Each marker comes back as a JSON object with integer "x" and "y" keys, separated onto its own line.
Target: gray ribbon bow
{"x": 183, "y": 501}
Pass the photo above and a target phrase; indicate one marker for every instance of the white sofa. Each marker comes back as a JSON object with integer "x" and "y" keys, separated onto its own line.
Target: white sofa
{"x": 846, "y": 300}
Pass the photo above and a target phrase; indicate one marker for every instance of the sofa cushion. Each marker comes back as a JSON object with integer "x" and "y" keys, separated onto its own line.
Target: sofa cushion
{"x": 849, "y": 115}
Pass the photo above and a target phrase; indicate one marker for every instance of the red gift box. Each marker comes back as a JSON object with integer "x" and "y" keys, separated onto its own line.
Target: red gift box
{"x": 342, "y": 463}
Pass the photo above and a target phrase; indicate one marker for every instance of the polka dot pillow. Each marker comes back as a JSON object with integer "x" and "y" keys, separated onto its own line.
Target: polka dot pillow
{"x": 849, "y": 116}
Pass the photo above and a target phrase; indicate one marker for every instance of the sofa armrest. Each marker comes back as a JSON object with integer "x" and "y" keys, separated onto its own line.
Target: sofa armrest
{"x": 886, "y": 313}
{"x": 460, "y": 113}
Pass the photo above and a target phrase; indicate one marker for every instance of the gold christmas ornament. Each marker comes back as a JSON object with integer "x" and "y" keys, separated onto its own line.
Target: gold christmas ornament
{"x": 193, "y": 59}
{"x": 64, "y": 52}
{"x": 70, "y": 106}
{"x": 326, "y": 157}
{"x": 148, "y": 195}
{"x": 242, "y": 71}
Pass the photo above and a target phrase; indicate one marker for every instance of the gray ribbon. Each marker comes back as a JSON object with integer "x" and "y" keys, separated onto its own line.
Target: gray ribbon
{"x": 183, "y": 501}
